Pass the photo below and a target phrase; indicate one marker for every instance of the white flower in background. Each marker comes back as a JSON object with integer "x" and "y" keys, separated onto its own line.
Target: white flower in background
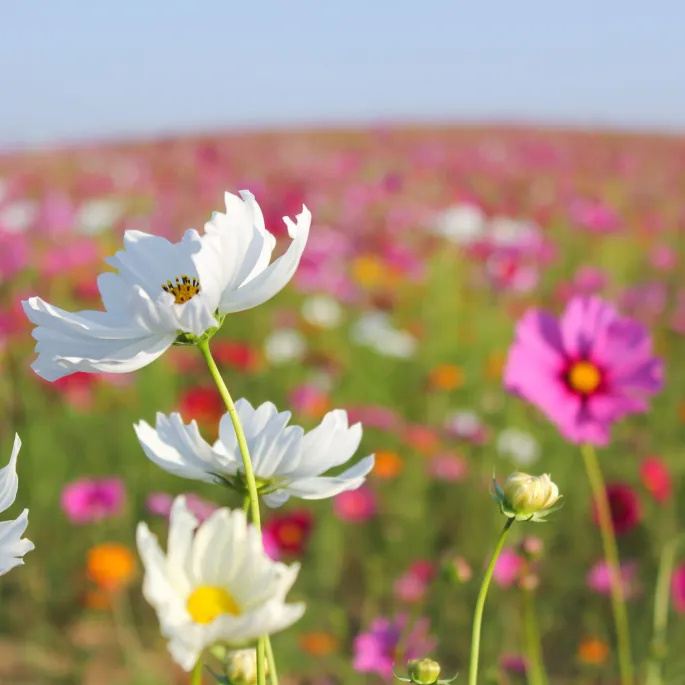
{"x": 215, "y": 585}
{"x": 285, "y": 345}
{"x": 464, "y": 423}
{"x": 18, "y": 216}
{"x": 95, "y": 216}
{"x": 506, "y": 232}
{"x": 163, "y": 290}
{"x": 12, "y": 545}
{"x": 518, "y": 446}
{"x": 287, "y": 462}
{"x": 322, "y": 311}
{"x": 462, "y": 224}
{"x": 375, "y": 330}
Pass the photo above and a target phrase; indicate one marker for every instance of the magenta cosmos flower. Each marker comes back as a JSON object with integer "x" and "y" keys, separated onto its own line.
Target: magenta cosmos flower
{"x": 375, "y": 651}
{"x": 585, "y": 370}
{"x": 93, "y": 499}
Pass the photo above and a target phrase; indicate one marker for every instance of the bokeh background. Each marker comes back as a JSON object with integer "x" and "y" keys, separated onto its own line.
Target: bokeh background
{"x": 463, "y": 162}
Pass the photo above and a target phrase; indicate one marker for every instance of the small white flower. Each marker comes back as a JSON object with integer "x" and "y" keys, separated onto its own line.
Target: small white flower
{"x": 284, "y": 345}
{"x": 462, "y": 224}
{"x": 375, "y": 330}
{"x": 95, "y": 216}
{"x": 464, "y": 423}
{"x": 215, "y": 585}
{"x": 12, "y": 545}
{"x": 163, "y": 290}
{"x": 322, "y": 311}
{"x": 286, "y": 461}
{"x": 506, "y": 232}
{"x": 18, "y": 216}
{"x": 520, "y": 447}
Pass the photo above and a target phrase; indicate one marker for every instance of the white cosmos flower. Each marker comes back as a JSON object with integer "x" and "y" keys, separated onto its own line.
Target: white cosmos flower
{"x": 462, "y": 224}
{"x": 12, "y": 545}
{"x": 286, "y": 461}
{"x": 285, "y": 345}
{"x": 215, "y": 584}
{"x": 375, "y": 330}
{"x": 521, "y": 447}
{"x": 322, "y": 311}
{"x": 162, "y": 290}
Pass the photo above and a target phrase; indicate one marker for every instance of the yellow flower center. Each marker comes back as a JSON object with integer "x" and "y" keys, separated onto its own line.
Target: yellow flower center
{"x": 208, "y": 602}
{"x": 184, "y": 289}
{"x": 584, "y": 377}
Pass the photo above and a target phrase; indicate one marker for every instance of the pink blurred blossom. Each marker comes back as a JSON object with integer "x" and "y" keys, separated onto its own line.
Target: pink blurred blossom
{"x": 599, "y": 580}
{"x": 160, "y": 503}
{"x": 508, "y": 568}
{"x": 93, "y": 499}
{"x": 355, "y": 506}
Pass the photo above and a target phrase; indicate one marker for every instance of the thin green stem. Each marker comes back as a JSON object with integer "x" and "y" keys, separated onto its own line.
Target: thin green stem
{"x": 247, "y": 466}
{"x": 606, "y": 526}
{"x": 246, "y": 504}
{"x": 273, "y": 675}
{"x": 536, "y": 668}
{"x": 662, "y": 597}
{"x": 196, "y": 676}
{"x": 480, "y": 603}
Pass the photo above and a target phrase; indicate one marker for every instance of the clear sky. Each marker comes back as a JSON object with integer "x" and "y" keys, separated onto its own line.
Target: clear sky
{"x": 74, "y": 69}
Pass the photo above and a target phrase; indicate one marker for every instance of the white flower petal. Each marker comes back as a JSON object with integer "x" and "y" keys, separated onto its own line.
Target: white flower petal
{"x": 12, "y": 545}
{"x": 274, "y": 278}
{"x": 9, "y": 481}
{"x": 320, "y": 487}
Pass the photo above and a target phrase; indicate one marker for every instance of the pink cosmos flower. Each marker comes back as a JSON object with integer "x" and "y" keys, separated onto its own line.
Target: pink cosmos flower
{"x": 411, "y": 587}
{"x": 589, "y": 280}
{"x": 375, "y": 651}
{"x": 585, "y": 370}
{"x": 595, "y": 216}
{"x": 355, "y": 506}
{"x": 374, "y": 416}
{"x": 93, "y": 499}
{"x": 663, "y": 258}
{"x": 159, "y": 504}
{"x": 599, "y": 580}
{"x": 656, "y": 478}
{"x": 448, "y": 467}
{"x": 508, "y": 568}
{"x": 678, "y": 589}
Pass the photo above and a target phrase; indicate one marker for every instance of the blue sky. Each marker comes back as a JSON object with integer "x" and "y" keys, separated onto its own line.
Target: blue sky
{"x": 73, "y": 69}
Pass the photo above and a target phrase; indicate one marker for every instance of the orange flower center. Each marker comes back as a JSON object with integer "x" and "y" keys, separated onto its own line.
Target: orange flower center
{"x": 208, "y": 602}
{"x": 584, "y": 377}
{"x": 183, "y": 290}
{"x": 290, "y": 534}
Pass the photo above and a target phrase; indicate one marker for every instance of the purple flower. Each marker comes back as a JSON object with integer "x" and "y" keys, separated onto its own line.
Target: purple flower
{"x": 376, "y": 650}
{"x": 585, "y": 370}
{"x": 93, "y": 499}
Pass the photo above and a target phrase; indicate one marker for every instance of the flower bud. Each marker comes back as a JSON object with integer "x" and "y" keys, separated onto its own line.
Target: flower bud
{"x": 456, "y": 569}
{"x": 423, "y": 671}
{"x": 527, "y": 498}
{"x": 241, "y": 666}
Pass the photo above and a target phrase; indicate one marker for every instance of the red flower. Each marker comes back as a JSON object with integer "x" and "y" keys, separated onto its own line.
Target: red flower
{"x": 237, "y": 355}
{"x": 678, "y": 589}
{"x": 202, "y": 404}
{"x": 656, "y": 479}
{"x": 625, "y": 507}
{"x": 287, "y": 534}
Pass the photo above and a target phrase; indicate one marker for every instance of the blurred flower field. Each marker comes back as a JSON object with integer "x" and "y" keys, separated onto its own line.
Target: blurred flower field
{"x": 427, "y": 248}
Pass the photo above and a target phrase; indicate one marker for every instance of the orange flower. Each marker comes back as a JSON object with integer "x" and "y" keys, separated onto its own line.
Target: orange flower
{"x": 681, "y": 411}
{"x": 318, "y": 643}
{"x": 494, "y": 366}
{"x": 368, "y": 271}
{"x": 447, "y": 377}
{"x": 110, "y": 565}
{"x": 593, "y": 652}
{"x": 388, "y": 464}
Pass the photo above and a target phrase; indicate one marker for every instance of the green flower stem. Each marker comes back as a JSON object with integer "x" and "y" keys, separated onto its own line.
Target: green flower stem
{"x": 196, "y": 676}
{"x": 273, "y": 676}
{"x": 536, "y": 668}
{"x": 249, "y": 476}
{"x": 606, "y": 526}
{"x": 662, "y": 597}
{"x": 480, "y": 604}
